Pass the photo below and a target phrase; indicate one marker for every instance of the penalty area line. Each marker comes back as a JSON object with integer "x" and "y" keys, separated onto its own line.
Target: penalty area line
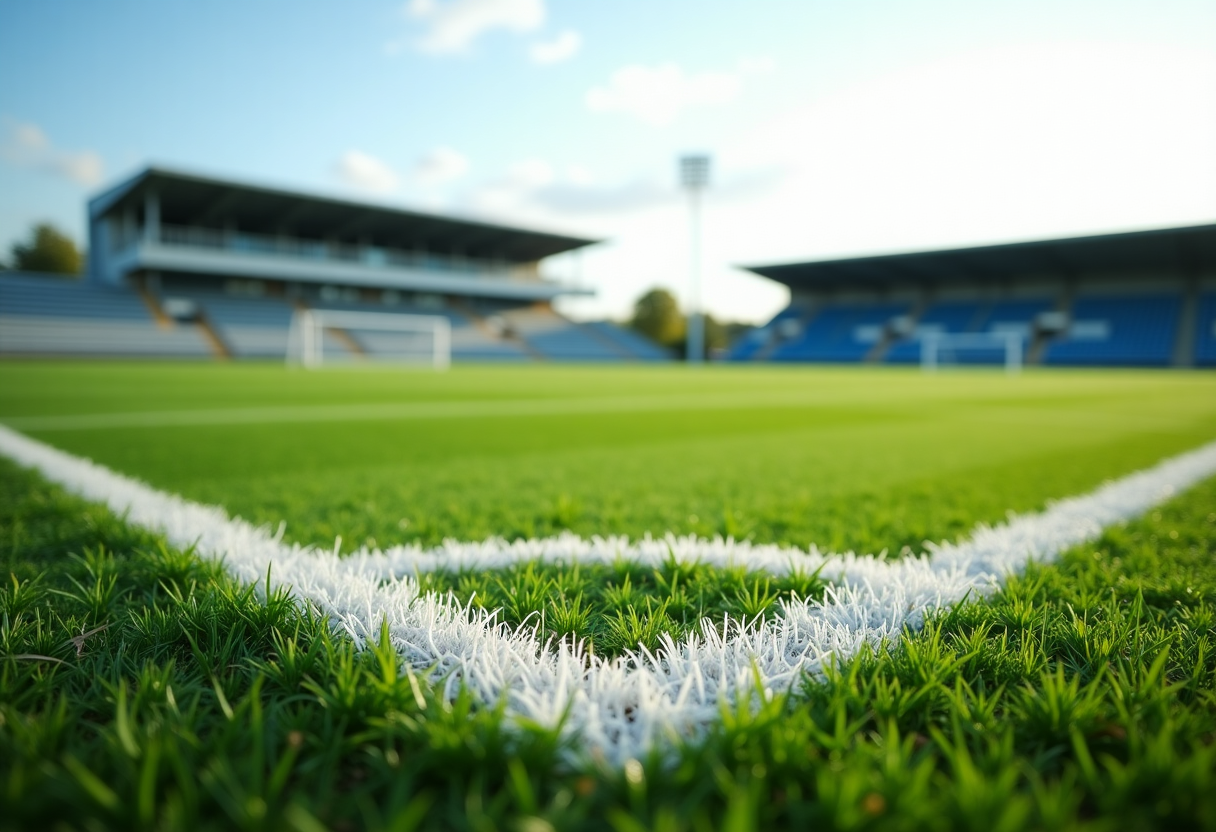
{"x": 619, "y": 708}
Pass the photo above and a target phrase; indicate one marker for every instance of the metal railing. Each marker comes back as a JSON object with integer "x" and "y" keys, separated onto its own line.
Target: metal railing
{"x": 296, "y": 247}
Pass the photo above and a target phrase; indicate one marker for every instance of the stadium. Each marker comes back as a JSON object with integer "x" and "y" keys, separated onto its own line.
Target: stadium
{"x": 186, "y": 266}
{"x": 346, "y": 505}
{"x": 1143, "y": 299}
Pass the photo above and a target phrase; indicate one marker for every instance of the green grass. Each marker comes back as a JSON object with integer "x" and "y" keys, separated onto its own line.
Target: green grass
{"x": 624, "y": 606}
{"x": 867, "y": 459}
{"x": 142, "y": 689}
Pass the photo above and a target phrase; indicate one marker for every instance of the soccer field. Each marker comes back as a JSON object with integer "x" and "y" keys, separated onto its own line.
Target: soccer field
{"x": 844, "y": 458}
{"x": 146, "y": 686}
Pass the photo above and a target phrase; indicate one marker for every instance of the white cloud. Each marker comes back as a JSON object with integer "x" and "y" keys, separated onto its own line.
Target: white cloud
{"x": 366, "y": 172}
{"x": 659, "y": 94}
{"x": 530, "y": 173}
{"x": 579, "y": 175}
{"x": 573, "y": 194}
{"x": 515, "y": 189}
{"x": 28, "y": 146}
{"x": 84, "y": 167}
{"x": 29, "y": 137}
{"x": 1029, "y": 141}
{"x": 561, "y": 48}
{"x": 443, "y": 164}
{"x": 756, "y": 65}
{"x": 453, "y": 26}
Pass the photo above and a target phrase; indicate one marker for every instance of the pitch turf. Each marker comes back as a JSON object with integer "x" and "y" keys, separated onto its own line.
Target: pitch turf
{"x": 142, "y": 689}
{"x": 1079, "y": 697}
{"x": 844, "y": 458}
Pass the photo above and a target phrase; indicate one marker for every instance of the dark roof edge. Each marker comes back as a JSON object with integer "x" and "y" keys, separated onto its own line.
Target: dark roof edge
{"x": 101, "y": 202}
{"x": 105, "y": 199}
{"x": 991, "y": 247}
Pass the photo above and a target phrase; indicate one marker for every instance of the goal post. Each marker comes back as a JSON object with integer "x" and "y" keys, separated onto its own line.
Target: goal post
{"x": 306, "y": 337}
{"x": 937, "y": 348}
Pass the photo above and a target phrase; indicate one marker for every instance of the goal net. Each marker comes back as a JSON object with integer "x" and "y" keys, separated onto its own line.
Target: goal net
{"x": 320, "y": 337}
{"x": 939, "y": 349}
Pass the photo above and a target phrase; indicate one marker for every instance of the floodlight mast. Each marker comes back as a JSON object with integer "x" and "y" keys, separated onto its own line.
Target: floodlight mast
{"x": 694, "y": 177}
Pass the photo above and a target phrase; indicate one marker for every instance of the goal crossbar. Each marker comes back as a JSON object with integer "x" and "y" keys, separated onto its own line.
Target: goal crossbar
{"x": 934, "y": 344}
{"x": 305, "y": 338}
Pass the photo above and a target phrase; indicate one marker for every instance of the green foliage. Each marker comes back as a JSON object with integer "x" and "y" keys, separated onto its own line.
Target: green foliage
{"x": 721, "y": 334}
{"x": 142, "y": 689}
{"x": 657, "y": 315}
{"x": 47, "y": 250}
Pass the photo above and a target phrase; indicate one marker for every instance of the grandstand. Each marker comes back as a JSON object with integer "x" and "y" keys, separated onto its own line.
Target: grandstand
{"x": 1144, "y": 298}
{"x": 188, "y": 266}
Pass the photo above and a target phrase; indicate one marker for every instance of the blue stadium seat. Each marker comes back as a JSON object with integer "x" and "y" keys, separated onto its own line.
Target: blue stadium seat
{"x": 58, "y": 297}
{"x": 635, "y": 346}
{"x": 946, "y": 316}
{"x": 1205, "y": 331}
{"x": 835, "y": 333}
{"x": 977, "y": 316}
{"x": 51, "y": 315}
{"x": 558, "y": 339}
{"x": 251, "y": 327}
{"x": 1008, "y": 314}
{"x": 750, "y": 344}
{"x": 1130, "y": 330}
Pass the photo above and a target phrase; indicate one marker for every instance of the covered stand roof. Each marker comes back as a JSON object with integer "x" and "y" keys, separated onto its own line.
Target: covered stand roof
{"x": 188, "y": 199}
{"x": 1169, "y": 250}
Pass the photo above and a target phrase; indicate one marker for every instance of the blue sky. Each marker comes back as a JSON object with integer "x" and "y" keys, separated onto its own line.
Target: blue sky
{"x": 835, "y": 127}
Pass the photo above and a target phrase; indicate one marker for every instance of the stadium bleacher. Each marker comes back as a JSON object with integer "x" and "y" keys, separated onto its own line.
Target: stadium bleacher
{"x": 1205, "y": 331}
{"x": 844, "y": 332}
{"x": 24, "y": 295}
{"x": 48, "y": 315}
{"x": 753, "y": 345}
{"x": 1128, "y": 330}
{"x": 1017, "y": 315}
{"x": 970, "y": 317}
{"x": 558, "y": 339}
{"x": 42, "y": 315}
{"x": 1131, "y": 330}
{"x": 947, "y": 316}
{"x": 250, "y": 327}
{"x": 1131, "y": 298}
{"x": 636, "y": 346}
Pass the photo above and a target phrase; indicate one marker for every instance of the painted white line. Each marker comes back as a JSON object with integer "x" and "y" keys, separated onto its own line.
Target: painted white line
{"x": 618, "y": 709}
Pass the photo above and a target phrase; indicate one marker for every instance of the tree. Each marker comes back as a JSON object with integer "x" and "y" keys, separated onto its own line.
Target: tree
{"x": 47, "y": 250}
{"x": 657, "y": 316}
{"x": 719, "y": 335}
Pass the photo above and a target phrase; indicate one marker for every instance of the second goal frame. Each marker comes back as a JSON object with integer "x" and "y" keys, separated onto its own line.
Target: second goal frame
{"x": 934, "y": 344}
{"x": 305, "y": 341}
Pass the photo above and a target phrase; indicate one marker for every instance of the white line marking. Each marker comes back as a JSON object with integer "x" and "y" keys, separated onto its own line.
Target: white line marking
{"x": 619, "y": 708}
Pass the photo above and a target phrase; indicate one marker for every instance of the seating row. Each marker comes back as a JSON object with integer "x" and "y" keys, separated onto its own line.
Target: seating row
{"x": 1125, "y": 331}
{"x": 38, "y": 314}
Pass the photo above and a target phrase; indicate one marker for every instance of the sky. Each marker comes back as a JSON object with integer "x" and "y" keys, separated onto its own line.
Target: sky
{"x": 835, "y": 128}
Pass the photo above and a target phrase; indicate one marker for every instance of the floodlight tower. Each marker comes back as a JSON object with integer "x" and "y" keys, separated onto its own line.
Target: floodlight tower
{"x": 694, "y": 176}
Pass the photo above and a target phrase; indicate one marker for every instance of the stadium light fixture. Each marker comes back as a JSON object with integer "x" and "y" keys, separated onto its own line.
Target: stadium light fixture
{"x": 694, "y": 177}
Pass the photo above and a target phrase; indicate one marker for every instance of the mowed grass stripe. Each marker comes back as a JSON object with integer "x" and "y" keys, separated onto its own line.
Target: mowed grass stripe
{"x": 412, "y": 410}
{"x": 1079, "y": 697}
